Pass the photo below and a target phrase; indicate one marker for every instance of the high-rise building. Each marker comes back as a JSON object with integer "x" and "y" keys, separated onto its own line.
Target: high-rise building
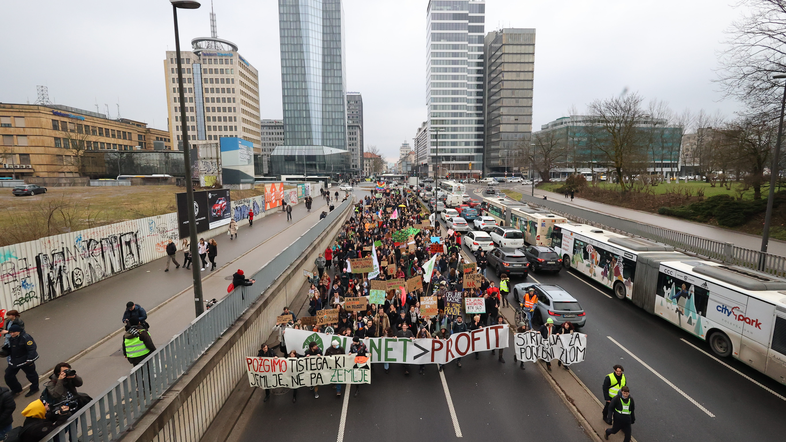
{"x": 454, "y": 89}
{"x": 421, "y": 144}
{"x": 355, "y": 131}
{"x": 272, "y": 132}
{"x": 404, "y": 149}
{"x": 221, "y": 92}
{"x": 510, "y": 67}
{"x": 312, "y": 73}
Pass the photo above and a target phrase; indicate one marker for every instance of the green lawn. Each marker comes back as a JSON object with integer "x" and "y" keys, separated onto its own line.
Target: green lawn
{"x": 692, "y": 186}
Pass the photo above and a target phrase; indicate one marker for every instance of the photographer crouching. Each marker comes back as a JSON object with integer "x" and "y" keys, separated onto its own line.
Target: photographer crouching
{"x": 61, "y": 388}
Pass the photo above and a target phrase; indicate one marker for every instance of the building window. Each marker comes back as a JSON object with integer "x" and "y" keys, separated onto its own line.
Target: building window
{"x": 55, "y": 125}
{"x": 8, "y": 140}
{"x": 21, "y": 140}
{"x": 113, "y": 134}
{"x": 57, "y": 142}
{"x": 100, "y": 131}
{"x": 5, "y": 121}
{"x": 24, "y": 159}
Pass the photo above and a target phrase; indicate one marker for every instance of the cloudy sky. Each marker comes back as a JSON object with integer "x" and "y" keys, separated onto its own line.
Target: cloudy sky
{"x": 110, "y": 52}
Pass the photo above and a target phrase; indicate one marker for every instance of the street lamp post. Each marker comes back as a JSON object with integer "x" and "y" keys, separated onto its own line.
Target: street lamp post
{"x": 765, "y": 234}
{"x": 199, "y": 305}
{"x": 436, "y": 154}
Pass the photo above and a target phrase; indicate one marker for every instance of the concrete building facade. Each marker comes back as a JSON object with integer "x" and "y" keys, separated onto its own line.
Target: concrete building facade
{"x": 355, "y": 131}
{"x": 272, "y": 136}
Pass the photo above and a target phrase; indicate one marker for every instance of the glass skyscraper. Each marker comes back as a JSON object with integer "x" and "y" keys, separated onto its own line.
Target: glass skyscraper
{"x": 454, "y": 86}
{"x": 312, "y": 73}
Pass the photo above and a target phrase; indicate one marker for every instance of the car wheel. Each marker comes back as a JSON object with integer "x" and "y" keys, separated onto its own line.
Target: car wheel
{"x": 720, "y": 344}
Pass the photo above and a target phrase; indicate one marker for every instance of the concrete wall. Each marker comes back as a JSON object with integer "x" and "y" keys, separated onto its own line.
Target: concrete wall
{"x": 188, "y": 408}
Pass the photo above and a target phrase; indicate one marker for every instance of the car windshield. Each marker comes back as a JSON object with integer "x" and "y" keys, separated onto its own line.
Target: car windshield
{"x": 567, "y": 306}
{"x": 513, "y": 234}
{"x": 549, "y": 256}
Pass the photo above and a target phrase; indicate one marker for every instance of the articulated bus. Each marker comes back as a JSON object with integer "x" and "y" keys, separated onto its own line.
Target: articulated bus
{"x": 739, "y": 312}
{"x": 537, "y": 225}
{"x": 454, "y": 192}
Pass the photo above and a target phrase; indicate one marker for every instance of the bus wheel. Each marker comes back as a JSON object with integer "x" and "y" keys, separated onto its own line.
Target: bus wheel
{"x": 566, "y": 261}
{"x": 720, "y": 344}
{"x": 619, "y": 290}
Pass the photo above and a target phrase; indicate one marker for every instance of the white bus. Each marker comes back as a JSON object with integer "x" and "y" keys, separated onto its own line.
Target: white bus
{"x": 454, "y": 192}
{"x": 606, "y": 257}
{"x": 537, "y": 225}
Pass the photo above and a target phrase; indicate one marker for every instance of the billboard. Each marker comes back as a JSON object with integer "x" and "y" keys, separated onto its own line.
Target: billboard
{"x": 212, "y": 208}
{"x": 237, "y": 160}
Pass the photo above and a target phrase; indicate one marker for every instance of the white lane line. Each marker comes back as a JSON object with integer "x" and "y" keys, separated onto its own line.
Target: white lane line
{"x": 668, "y": 382}
{"x": 585, "y": 282}
{"x": 450, "y": 404}
{"x": 344, "y": 408}
{"x": 737, "y": 371}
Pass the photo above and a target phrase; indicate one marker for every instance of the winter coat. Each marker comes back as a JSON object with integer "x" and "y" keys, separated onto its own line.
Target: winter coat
{"x": 22, "y": 350}
{"x": 7, "y": 407}
{"x": 233, "y": 227}
{"x": 320, "y": 262}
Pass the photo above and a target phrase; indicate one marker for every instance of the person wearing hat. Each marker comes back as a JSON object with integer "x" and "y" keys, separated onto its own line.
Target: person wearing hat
{"x": 135, "y": 313}
{"x": 546, "y": 330}
{"x": 22, "y": 355}
{"x": 459, "y": 327}
{"x": 137, "y": 343}
{"x": 239, "y": 279}
{"x": 11, "y": 317}
{"x": 358, "y": 348}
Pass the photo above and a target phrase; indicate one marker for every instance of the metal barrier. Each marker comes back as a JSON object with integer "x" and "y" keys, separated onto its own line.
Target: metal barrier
{"x": 717, "y": 250}
{"x": 108, "y": 416}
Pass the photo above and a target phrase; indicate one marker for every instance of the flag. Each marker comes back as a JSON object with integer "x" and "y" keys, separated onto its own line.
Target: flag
{"x": 394, "y": 215}
{"x": 375, "y": 273}
{"x": 349, "y": 266}
{"x": 428, "y": 269}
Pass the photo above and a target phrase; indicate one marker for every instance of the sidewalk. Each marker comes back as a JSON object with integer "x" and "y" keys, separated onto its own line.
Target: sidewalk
{"x": 739, "y": 239}
{"x": 87, "y": 323}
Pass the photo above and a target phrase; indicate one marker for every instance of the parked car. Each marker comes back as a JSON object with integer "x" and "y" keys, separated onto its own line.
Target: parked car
{"x": 508, "y": 261}
{"x": 449, "y": 213}
{"x": 28, "y": 189}
{"x": 507, "y": 237}
{"x": 458, "y": 224}
{"x": 346, "y": 188}
{"x": 478, "y": 240}
{"x": 485, "y": 223}
{"x": 219, "y": 208}
{"x": 553, "y": 302}
{"x": 543, "y": 258}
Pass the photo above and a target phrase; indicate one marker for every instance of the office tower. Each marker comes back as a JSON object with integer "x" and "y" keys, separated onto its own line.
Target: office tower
{"x": 454, "y": 90}
{"x": 355, "y": 131}
{"x": 272, "y": 132}
{"x": 510, "y": 67}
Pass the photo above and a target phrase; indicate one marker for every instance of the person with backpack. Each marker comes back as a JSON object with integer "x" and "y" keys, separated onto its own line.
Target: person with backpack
{"x": 171, "y": 250}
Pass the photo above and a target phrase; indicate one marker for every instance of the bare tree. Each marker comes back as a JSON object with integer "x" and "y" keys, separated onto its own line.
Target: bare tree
{"x": 377, "y": 163}
{"x": 76, "y": 141}
{"x": 619, "y": 120}
{"x": 6, "y": 153}
{"x": 756, "y": 51}
{"x": 754, "y": 139}
{"x": 544, "y": 152}
{"x": 659, "y": 118}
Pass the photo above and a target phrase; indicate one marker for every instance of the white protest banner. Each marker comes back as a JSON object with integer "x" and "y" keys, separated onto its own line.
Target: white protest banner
{"x": 474, "y": 305}
{"x": 409, "y": 351}
{"x": 311, "y": 371}
{"x": 569, "y": 349}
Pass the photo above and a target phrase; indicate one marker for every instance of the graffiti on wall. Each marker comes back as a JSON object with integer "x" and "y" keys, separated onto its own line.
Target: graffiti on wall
{"x": 240, "y": 209}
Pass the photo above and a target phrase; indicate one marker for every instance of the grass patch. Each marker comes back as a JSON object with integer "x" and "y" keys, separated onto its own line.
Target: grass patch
{"x": 693, "y": 187}
{"x": 512, "y": 194}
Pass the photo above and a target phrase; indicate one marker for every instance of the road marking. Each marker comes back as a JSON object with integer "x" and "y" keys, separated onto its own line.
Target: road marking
{"x": 663, "y": 378}
{"x": 585, "y": 282}
{"x": 450, "y": 404}
{"x": 737, "y": 371}
{"x": 343, "y": 422}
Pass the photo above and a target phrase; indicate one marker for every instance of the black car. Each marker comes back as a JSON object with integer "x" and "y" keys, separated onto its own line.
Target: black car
{"x": 489, "y": 191}
{"x": 508, "y": 261}
{"x": 28, "y": 189}
{"x": 543, "y": 258}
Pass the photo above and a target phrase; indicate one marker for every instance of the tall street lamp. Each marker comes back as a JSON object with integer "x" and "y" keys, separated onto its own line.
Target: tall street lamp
{"x": 195, "y": 272}
{"x": 437, "y": 130}
{"x": 765, "y": 234}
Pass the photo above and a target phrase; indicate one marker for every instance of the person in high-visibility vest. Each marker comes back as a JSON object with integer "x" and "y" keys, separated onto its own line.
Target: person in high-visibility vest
{"x": 137, "y": 343}
{"x": 530, "y": 301}
{"x": 611, "y": 387}
{"x": 623, "y": 411}
{"x": 504, "y": 290}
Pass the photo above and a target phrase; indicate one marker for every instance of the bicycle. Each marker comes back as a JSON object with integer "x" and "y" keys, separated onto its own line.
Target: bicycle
{"x": 521, "y": 315}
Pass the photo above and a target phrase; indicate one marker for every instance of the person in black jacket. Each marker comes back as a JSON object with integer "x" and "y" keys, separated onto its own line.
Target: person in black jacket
{"x": 239, "y": 279}
{"x": 314, "y": 350}
{"x": 62, "y": 384}
{"x": 171, "y": 251}
{"x": 41, "y": 419}
{"x": 335, "y": 349}
{"x": 458, "y": 327}
{"x": 611, "y": 389}
{"x": 22, "y": 355}
{"x": 266, "y": 352}
{"x": 7, "y": 407}
{"x": 623, "y": 410}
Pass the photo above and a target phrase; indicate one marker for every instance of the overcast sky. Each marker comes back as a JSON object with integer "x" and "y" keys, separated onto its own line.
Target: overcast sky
{"x": 109, "y": 52}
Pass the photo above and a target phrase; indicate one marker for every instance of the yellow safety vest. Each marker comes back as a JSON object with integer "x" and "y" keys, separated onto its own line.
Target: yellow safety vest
{"x": 135, "y": 347}
{"x": 503, "y": 285}
{"x": 615, "y": 387}
{"x": 625, "y": 406}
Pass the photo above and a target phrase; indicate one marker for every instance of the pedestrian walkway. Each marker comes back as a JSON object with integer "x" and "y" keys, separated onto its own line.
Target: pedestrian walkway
{"x": 739, "y": 239}
{"x": 77, "y": 327}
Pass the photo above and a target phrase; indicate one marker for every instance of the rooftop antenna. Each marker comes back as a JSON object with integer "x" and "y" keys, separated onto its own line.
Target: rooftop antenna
{"x": 118, "y": 108}
{"x": 97, "y": 111}
{"x": 43, "y": 95}
{"x": 107, "y": 111}
{"x": 213, "y": 30}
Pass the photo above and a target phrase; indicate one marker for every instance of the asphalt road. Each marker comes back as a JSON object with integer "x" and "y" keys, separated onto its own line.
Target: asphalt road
{"x": 693, "y": 396}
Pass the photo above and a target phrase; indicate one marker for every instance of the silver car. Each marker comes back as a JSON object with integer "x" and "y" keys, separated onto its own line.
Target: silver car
{"x": 458, "y": 224}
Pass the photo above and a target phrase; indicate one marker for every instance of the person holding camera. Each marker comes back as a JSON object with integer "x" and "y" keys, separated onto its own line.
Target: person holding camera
{"x": 62, "y": 386}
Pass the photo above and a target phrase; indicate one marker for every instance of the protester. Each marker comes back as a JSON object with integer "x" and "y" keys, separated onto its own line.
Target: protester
{"x": 212, "y": 252}
{"x": 7, "y": 407}
{"x": 313, "y": 350}
{"x": 266, "y": 352}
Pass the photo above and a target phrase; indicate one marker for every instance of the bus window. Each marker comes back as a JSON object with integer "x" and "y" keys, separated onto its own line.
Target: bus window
{"x": 556, "y": 239}
{"x": 779, "y": 335}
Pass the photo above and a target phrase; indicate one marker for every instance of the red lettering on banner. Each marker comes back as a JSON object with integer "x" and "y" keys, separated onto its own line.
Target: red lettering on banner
{"x": 488, "y": 343}
{"x": 496, "y": 329}
{"x": 434, "y": 348}
{"x": 250, "y": 363}
{"x": 449, "y": 352}
{"x": 475, "y": 338}
{"x": 466, "y": 348}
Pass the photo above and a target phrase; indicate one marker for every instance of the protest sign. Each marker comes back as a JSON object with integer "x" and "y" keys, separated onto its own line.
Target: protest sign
{"x": 470, "y": 267}
{"x": 308, "y": 274}
{"x": 383, "y": 264}
{"x": 378, "y": 243}
{"x": 391, "y": 269}
{"x": 406, "y": 351}
{"x": 367, "y": 249}
{"x": 362, "y": 265}
{"x": 472, "y": 281}
{"x": 411, "y": 248}
{"x": 308, "y": 320}
{"x": 569, "y": 349}
{"x": 376, "y": 296}
{"x": 474, "y": 305}
{"x": 415, "y": 283}
{"x": 327, "y": 316}
{"x": 379, "y": 285}
{"x": 394, "y": 284}
{"x": 426, "y": 222}
{"x": 419, "y": 226}
{"x": 283, "y": 319}
{"x": 378, "y": 195}
{"x": 436, "y": 240}
{"x": 436, "y": 248}
{"x": 357, "y": 304}
{"x": 314, "y": 371}
{"x": 428, "y": 306}
{"x": 453, "y": 303}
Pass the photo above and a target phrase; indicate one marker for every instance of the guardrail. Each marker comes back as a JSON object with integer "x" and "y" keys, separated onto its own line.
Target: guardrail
{"x": 722, "y": 251}
{"x": 116, "y": 410}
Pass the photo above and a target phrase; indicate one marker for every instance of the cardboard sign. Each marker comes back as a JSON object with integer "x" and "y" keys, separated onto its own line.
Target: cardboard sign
{"x": 394, "y": 284}
{"x": 362, "y": 265}
{"x": 474, "y": 305}
{"x": 569, "y": 349}
{"x": 453, "y": 303}
{"x": 367, "y": 249}
{"x": 392, "y": 269}
{"x": 379, "y": 285}
{"x": 436, "y": 248}
{"x": 411, "y": 248}
{"x": 308, "y": 320}
{"x": 470, "y": 267}
{"x": 389, "y": 210}
{"x": 384, "y": 263}
{"x": 428, "y": 306}
{"x": 283, "y": 319}
{"x": 415, "y": 283}
{"x": 426, "y": 222}
{"x": 376, "y": 296}
{"x": 270, "y": 373}
{"x": 308, "y": 274}
{"x": 472, "y": 280}
{"x": 355, "y": 304}
{"x": 327, "y": 316}
{"x": 419, "y": 226}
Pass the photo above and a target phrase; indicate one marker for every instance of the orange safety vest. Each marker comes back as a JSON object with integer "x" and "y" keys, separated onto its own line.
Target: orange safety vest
{"x": 529, "y": 302}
